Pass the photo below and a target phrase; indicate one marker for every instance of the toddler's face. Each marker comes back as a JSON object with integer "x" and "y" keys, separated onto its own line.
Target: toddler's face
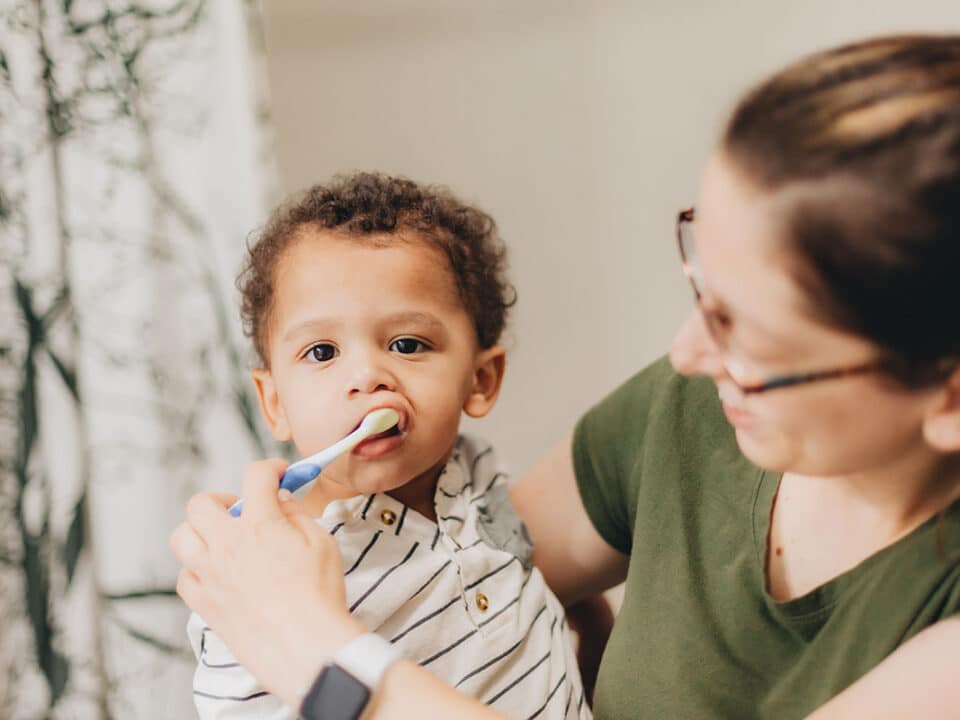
{"x": 355, "y": 327}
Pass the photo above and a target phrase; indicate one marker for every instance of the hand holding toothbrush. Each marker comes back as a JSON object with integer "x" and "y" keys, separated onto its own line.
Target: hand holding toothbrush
{"x": 302, "y": 472}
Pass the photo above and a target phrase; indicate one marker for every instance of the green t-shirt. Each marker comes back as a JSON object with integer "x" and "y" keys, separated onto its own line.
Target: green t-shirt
{"x": 697, "y": 635}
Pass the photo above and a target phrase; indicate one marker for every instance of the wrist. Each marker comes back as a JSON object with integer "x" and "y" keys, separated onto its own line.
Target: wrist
{"x": 307, "y": 650}
{"x": 345, "y": 687}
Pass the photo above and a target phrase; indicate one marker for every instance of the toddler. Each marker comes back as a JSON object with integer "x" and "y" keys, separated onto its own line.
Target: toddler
{"x": 376, "y": 292}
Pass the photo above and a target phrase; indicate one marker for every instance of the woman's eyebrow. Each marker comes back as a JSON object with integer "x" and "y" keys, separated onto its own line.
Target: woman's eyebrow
{"x": 711, "y": 303}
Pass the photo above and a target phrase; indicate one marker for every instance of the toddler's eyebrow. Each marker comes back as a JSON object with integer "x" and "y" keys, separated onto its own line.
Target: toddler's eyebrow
{"x": 310, "y": 326}
{"x": 410, "y": 317}
{"x": 414, "y": 317}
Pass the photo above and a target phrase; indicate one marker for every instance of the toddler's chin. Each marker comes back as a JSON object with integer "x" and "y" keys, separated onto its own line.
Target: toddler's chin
{"x": 372, "y": 485}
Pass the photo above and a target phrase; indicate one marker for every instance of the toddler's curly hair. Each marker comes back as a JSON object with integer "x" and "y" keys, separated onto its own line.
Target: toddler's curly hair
{"x": 387, "y": 207}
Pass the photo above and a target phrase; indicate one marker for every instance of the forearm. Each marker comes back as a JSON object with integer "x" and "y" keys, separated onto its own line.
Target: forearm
{"x": 409, "y": 692}
{"x": 919, "y": 680}
{"x": 406, "y": 691}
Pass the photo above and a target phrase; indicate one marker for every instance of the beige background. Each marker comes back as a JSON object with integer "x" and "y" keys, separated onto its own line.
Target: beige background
{"x": 581, "y": 126}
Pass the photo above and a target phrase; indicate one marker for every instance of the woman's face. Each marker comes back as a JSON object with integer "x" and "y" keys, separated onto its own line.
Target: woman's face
{"x": 846, "y": 425}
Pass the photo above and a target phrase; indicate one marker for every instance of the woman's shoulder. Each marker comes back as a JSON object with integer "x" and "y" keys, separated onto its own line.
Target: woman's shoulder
{"x": 658, "y": 434}
{"x": 652, "y": 405}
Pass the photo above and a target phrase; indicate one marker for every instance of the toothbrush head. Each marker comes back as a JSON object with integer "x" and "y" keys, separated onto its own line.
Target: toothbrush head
{"x": 379, "y": 421}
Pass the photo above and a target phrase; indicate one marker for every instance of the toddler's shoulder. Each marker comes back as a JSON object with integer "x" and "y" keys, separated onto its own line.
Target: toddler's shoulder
{"x": 497, "y": 522}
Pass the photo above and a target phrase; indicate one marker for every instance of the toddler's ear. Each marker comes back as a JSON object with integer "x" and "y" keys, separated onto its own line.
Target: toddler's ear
{"x": 270, "y": 405}
{"x": 487, "y": 379}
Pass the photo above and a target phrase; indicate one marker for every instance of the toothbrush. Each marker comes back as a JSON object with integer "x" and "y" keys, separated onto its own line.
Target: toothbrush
{"x": 305, "y": 471}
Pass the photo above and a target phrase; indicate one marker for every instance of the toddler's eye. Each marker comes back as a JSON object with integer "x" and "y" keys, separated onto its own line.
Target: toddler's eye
{"x": 407, "y": 346}
{"x": 322, "y": 352}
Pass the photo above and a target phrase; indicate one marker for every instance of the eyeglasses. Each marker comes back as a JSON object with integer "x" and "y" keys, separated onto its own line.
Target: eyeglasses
{"x": 714, "y": 324}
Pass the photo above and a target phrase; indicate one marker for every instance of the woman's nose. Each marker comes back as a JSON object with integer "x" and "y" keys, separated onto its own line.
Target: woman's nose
{"x": 694, "y": 351}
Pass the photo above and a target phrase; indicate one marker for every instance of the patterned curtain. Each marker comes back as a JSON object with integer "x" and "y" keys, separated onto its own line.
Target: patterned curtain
{"x": 134, "y": 161}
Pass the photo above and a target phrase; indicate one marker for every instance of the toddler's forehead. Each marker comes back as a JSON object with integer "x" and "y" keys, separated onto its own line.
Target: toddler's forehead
{"x": 370, "y": 268}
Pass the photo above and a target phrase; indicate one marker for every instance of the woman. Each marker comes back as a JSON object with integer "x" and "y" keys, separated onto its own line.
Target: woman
{"x": 825, "y": 350}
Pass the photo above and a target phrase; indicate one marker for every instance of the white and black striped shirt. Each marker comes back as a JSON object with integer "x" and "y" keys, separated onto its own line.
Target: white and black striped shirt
{"x": 458, "y": 596}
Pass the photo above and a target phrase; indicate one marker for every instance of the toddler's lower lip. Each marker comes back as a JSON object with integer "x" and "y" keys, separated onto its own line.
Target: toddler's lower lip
{"x": 378, "y": 445}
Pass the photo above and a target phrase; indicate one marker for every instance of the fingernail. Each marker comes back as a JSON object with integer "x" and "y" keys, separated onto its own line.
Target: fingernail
{"x": 284, "y": 495}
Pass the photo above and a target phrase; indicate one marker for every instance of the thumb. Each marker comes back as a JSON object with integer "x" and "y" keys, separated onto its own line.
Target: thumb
{"x": 300, "y": 519}
{"x": 260, "y": 482}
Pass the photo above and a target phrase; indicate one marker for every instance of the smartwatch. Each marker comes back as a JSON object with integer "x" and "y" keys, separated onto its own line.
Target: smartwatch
{"x": 344, "y": 687}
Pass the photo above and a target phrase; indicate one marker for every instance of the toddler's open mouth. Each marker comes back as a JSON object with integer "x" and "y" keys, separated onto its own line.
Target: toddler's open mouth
{"x": 380, "y": 444}
{"x": 395, "y": 430}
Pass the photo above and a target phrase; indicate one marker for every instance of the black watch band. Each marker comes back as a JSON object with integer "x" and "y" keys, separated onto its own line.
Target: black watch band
{"x": 335, "y": 695}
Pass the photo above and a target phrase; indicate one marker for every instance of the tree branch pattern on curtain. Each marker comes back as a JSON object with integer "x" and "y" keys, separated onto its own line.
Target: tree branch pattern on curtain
{"x": 134, "y": 161}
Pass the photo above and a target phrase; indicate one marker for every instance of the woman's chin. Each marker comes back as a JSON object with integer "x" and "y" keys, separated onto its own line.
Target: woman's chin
{"x": 764, "y": 451}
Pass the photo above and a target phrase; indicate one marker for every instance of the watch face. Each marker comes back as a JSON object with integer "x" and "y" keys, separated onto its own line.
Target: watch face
{"x": 336, "y": 695}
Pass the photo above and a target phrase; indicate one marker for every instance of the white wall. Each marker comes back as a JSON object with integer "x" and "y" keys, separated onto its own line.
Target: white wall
{"x": 581, "y": 126}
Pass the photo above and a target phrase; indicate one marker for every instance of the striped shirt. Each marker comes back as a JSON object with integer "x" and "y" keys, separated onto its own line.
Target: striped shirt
{"x": 458, "y": 596}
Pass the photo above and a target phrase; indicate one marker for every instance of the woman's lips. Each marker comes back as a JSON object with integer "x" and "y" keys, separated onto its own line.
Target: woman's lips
{"x": 740, "y": 419}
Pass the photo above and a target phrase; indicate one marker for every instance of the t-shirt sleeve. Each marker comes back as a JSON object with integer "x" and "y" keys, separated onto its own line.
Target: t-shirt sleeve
{"x": 608, "y": 443}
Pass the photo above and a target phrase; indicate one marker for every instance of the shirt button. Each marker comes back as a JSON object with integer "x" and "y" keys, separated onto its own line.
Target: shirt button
{"x": 482, "y": 602}
{"x": 388, "y": 517}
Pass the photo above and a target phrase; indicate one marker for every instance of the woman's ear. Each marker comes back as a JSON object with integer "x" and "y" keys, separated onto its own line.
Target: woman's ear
{"x": 270, "y": 406}
{"x": 941, "y": 427}
{"x": 487, "y": 379}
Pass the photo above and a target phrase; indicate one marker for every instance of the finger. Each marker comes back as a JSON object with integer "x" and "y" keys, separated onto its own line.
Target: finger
{"x": 188, "y": 547}
{"x": 260, "y": 483}
{"x": 302, "y": 521}
{"x": 287, "y": 502}
{"x": 189, "y": 590}
{"x": 208, "y": 518}
{"x": 225, "y": 499}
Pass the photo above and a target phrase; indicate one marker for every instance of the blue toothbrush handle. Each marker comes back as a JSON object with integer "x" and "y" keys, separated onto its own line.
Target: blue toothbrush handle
{"x": 294, "y": 478}
{"x": 297, "y": 475}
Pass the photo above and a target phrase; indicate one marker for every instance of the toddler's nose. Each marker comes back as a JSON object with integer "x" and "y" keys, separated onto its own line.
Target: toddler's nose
{"x": 370, "y": 376}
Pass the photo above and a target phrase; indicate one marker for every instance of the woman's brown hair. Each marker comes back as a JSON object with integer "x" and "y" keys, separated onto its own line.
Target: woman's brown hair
{"x": 865, "y": 141}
